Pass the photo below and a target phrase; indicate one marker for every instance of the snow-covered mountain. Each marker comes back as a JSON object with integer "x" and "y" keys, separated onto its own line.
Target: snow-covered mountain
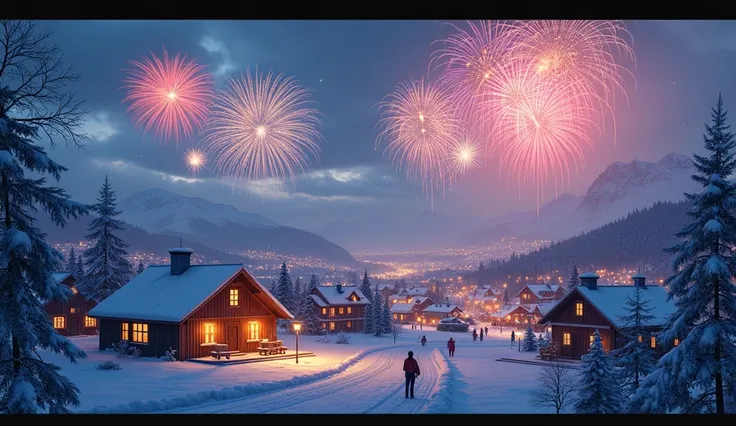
{"x": 222, "y": 226}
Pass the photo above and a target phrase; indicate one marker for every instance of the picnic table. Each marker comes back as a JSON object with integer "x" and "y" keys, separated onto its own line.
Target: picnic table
{"x": 272, "y": 347}
{"x": 219, "y": 350}
{"x": 549, "y": 352}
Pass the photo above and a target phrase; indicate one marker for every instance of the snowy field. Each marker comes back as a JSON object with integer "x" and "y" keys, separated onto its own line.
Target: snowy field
{"x": 470, "y": 382}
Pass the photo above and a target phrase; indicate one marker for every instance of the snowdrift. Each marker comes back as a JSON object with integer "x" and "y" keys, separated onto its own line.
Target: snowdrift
{"x": 441, "y": 400}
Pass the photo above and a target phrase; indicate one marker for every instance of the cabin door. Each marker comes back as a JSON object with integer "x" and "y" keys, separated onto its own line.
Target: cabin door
{"x": 73, "y": 326}
{"x": 233, "y": 337}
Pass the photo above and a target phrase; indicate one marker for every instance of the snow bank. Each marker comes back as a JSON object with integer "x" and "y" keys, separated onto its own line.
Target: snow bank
{"x": 441, "y": 400}
{"x": 235, "y": 392}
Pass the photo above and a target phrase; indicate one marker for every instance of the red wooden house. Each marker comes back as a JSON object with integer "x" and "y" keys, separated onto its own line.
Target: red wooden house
{"x": 432, "y": 314}
{"x": 532, "y": 294}
{"x": 590, "y": 307}
{"x": 70, "y": 318}
{"x": 341, "y": 308}
{"x": 189, "y": 308}
{"x": 408, "y": 312}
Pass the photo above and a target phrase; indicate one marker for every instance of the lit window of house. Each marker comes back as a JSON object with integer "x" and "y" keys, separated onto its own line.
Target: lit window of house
{"x": 566, "y": 339}
{"x": 653, "y": 342}
{"x": 72, "y": 310}
{"x": 396, "y": 316}
{"x": 74, "y": 289}
{"x": 59, "y": 322}
{"x": 140, "y": 333}
{"x": 234, "y": 297}
{"x": 254, "y": 330}
{"x": 324, "y": 311}
{"x": 677, "y": 341}
{"x": 124, "y": 331}
{"x": 592, "y": 339}
{"x": 332, "y": 326}
{"x": 332, "y": 312}
{"x": 402, "y": 317}
{"x": 350, "y": 324}
{"x": 579, "y": 309}
{"x": 324, "y": 325}
{"x": 209, "y": 333}
{"x": 90, "y": 322}
{"x": 354, "y": 298}
{"x": 350, "y": 310}
{"x": 341, "y": 311}
{"x": 641, "y": 339}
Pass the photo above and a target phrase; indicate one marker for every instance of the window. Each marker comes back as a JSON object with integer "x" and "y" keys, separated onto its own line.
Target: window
{"x": 350, "y": 324}
{"x": 59, "y": 322}
{"x": 641, "y": 339}
{"x": 592, "y": 339}
{"x": 74, "y": 289}
{"x": 332, "y": 326}
{"x": 234, "y": 300}
{"x": 350, "y": 310}
{"x": 341, "y": 311}
{"x": 677, "y": 341}
{"x": 525, "y": 296}
{"x": 209, "y": 333}
{"x": 254, "y": 330}
{"x": 579, "y": 309}
{"x": 72, "y": 310}
{"x": 324, "y": 311}
{"x": 395, "y": 316}
{"x": 566, "y": 339}
{"x": 124, "y": 331}
{"x": 140, "y": 333}
{"x": 90, "y": 322}
{"x": 354, "y": 298}
{"x": 324, "y": 325}
{"x": 332, "y": 312}
{"x": 653, "y": 342}
{"x": 401, "y": 317}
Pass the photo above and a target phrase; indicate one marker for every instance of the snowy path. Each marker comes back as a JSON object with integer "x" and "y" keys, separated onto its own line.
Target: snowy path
{"x": 373, "y": 385}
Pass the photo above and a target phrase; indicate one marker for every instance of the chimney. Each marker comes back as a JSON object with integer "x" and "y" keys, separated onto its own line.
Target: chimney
{"x": 640, "y": 280}
{"x": 339, "y": 289}
{"x": 180, "y": 260}
{"x": 590, "y": 280}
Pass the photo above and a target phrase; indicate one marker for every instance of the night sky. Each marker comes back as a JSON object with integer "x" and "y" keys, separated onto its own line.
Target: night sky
{"x": 350, "y": 66}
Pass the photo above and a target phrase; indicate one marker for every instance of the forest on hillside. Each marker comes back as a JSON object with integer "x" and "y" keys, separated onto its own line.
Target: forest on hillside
{"x": 635, "y": 241}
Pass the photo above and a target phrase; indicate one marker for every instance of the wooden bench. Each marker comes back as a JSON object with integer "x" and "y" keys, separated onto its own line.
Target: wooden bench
{"x": 549, "y": 352}
{"x": 282, "y": 349}
{"x": 226, "y": 354}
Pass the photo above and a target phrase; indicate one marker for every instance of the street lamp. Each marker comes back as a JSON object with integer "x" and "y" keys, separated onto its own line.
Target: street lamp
{"x": 297, "y": 328}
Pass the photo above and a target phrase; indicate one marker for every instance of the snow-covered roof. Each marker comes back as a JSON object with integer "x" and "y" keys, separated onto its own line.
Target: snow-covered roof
{"x": 538, "y": 289}
{"x": 402, "y": 308}
{"x": 330, "y": 294}
{"x": 382, "y": 287}
{"x": 511, "y": 309}
{"x": 417, "y": 291}
{"x": 638, "y": 276}
{"x": 318, "y": 300}
{"x": 543, "y": 307}
{"x": 484, "y": 298}
{"x": 156, "y": 295}
{"x": 611, "y": 302}
{"x": 441, "y": 309}
{"x": 420, "y": 299}
{"x": 60, "y": 276}
{"x": 589, "y": 275}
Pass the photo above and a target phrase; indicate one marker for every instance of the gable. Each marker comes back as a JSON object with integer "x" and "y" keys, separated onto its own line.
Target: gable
{"x": 564, "y": 309}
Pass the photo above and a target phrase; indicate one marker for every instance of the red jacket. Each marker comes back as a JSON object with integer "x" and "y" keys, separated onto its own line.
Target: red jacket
{"x": 451, "y": 345}
{"x": 411, "y": 366}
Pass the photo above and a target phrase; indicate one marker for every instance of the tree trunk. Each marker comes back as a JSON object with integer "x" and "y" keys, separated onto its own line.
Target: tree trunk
{"x": 15, "y": 343}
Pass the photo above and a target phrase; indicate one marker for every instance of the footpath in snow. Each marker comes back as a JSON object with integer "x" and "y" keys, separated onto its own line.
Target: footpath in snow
{"x": 373, "y": 385}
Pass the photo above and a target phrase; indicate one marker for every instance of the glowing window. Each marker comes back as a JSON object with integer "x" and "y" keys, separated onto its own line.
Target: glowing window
{"x": 332, "y": 312}
{"x": 350, "y": 310}
{"x": 72, "y": 310}
{"x": 641, "y": 339}
{"x": 579, "y": 309}
{"x": 59, "y": 322}
{"x": 209, "y": 333}
{"x": 350, "y": 324}
{"x": 324, "y": 311}
{"x": 254, "y": 330}
{"x": 395, "y": 316}
{"x": 74, "y": 289}
{"x": 653, "y": 342}
{"x": 140, "y": 333}
{"x": 90, "y": 322}
{"x": 341, "y": 311}
{"x": 677, "y": 341}
{"x": 332, "y": 326}
{"x": 566, "y": 339}
{"x": 354, "y": 298}
{"x": 234, "y": 299}
{"x": 592, "y": 338}
{"x": 124, "y": 331}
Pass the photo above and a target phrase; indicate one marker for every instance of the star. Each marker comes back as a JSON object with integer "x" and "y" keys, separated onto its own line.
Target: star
{"x": 320, "y": 80}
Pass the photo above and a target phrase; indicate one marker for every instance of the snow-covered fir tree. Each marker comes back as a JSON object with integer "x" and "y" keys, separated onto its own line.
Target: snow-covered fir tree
{"x": 574, "y": 280}
{"x": 599, "y": 391}
{"x": 695, "y": 375}
{"x": 311, "y": 324}
{"x": 377, "y": 314}
{"x": 79, "y": 270}
{"x": 387, "y": 322}
{"x": 107, "y": 268}
{"x": 530, "y": 340}
{"x": 140, "y": 268}
{"x": 298, "y": 290}
{"x": 71, "y": 262}
{"x": 635, "y": 359}
{"x": 506, "y": 298}
{"x": 285, "y": 289}
{"x": 33, "y": 102}
{"x": 365, "y": 288}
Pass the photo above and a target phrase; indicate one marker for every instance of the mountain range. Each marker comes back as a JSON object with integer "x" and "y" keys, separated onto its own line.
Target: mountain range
{"x": 621, "y": 188}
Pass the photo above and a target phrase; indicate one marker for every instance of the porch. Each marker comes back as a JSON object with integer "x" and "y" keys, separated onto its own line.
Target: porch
{"x": 249, "y": 357}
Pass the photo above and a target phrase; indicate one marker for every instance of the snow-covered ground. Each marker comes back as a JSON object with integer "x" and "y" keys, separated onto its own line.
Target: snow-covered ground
{"x": 470, "y": 382}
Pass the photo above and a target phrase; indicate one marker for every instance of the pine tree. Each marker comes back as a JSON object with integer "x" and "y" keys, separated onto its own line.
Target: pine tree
{"x": 140, "y": 268}
{"x": 107, "y": 268}
{"x": 506, "y": 298}
{"x": 530, "y": 340}
{"x": 71, "y": 262}
{"x": 377, "y": 314}
{"x": 635, "y": 359}
{"x": 599, "y": 392}
{"x": 79, "y": 271}
{"x": 298, "y": 289}
{"x": 368, "y": 321}
{"x": 311, "y": 323}
{"x": 33, "y": 103}
{"x": 365, "y": 286}
{"x": 285, "y": 289}
{"x": 574, "y": 280}
{"x": 387, "y": 323}
{"x": 694, "y": 375}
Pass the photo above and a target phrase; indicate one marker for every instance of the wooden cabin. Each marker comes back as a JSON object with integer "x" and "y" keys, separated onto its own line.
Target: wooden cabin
{"x": 386, "y": 291}
{"x": 70, "y": 318}
{"x": 513, "y": 315}
{"x": 340, "y": 308}
{"x": 590, "y": 307}
{"x": 189, "y": 308}
{"x": 432, "y": 314}
{"x": 408, "y": 312}
{"x": 533, "y": 294}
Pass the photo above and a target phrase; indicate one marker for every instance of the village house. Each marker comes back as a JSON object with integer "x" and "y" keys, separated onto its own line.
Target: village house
{"x": 432, "y": 314}
{"x": 386, "y": 291}
{"x": 341, "y": 308}
{"x": 513, "y": 315}
{"x": 590, "y": 307}
{"x": 532, "y": 294}
{"x": 70, "y": 318}
{"x": 486, "y": 298}
{"x": 413, "y": 292}
{"x": 409, "y": 312}
{"x": 189, "y": 308}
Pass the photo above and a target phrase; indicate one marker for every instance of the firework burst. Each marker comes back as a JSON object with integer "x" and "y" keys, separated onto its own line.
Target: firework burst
{"x": 169, "y": 96}
{"x": 419, "y": 126}
{"x": 463, "y": 157}
{"x": 195, "y": 160}
{"x": 262, "y": 128}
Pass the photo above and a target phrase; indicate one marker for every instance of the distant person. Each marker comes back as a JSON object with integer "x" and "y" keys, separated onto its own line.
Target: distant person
{"x": 486, "y": 331}
{"x": 481, "y": 334}
{"x": 424, "y": 340}
{"x": 513, "y": 339}
{"x": 475, "y": 335}
{"x": 451, "y": 346}
{"x": 411, "y": 372}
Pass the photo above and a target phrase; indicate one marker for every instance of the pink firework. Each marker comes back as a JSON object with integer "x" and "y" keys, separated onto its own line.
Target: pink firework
{"x": 420, "y": 127}
{"x": 170, "y": 96}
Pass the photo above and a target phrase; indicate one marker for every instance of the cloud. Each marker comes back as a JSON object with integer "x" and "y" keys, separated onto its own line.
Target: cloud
{"x": 99, "y": 127}
{"x": 217, "y": 48}
{"x": 702, "y": 37}
{"x": 139, "y": 171}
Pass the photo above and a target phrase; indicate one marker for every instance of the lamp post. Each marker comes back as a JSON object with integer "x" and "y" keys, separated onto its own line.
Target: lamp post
{"x": 297, "y": 328}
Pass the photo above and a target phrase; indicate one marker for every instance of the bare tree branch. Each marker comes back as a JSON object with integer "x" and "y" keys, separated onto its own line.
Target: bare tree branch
{"x": 556, "y": 386}
{"x": 35, "y": 72}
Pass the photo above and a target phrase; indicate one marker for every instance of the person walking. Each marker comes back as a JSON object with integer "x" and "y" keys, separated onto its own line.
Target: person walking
{"x": 486, "y": 331}
{"x": 513, "y": 339}
{"x": 411, "y": 372}
{"x": 481, "y": 334}
{"x": 424, "y": 340}
{"x": 475, "y": 335}
{"x": 451, "y": 347}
